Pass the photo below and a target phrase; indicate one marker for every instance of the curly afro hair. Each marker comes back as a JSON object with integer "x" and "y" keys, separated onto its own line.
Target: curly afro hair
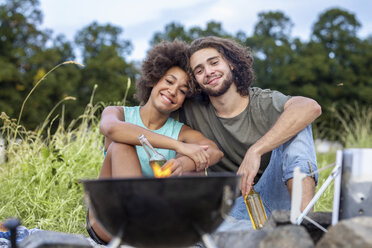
{"x": 159, "y": 60}
{"x": 238, "y": 56}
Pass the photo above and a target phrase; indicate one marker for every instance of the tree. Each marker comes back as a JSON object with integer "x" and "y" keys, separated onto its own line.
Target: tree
{"x": 271, "y": 47}
{"x": 25, "y": 58}
{"x": 362, "y": 66}
{"x": 60, "y": 84}
{"x": 336, "y": 29}
{"x": 171, "y": 32}
{"x": 93, "y": 38}
{"x": 274, "y": 25}
{"x": 212, "y": 29}
{"x": 332, "y": 68}
{"x": 20, "y": 41}
{"x": 177, "y": 31}
{"x": 336, "y": 32}
{"x": 105, "y": 66}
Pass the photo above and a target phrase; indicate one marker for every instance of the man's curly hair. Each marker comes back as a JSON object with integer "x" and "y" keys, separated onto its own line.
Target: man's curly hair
{"x": 237, "y": 55}
{"x": 159, "y": 60}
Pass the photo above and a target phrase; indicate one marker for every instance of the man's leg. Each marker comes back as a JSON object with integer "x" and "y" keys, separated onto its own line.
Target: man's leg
{"x": 272, "y": 186}
{"x": 300, "y": 151}
{"x": 273, "y": 192}
{"x": 308, "y": 190}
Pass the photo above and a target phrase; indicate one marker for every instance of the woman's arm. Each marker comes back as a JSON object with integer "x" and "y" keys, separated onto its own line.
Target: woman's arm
{"x": 114, "y": 128}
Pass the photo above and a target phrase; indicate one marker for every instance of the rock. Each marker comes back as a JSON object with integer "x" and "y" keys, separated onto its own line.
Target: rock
{"x": 287, "y": 236}
{"x": 54, "y": 239}
{"x": 240, "y": 239}
{"x": 277, "y": 218}
{"x": 322, "y": 218}
{"x": 282, "y": 217}
{"x": 355, "y": 232}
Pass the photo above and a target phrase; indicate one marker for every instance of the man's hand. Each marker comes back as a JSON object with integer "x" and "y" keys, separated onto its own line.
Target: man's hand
{"x": 198, "y": 153}
{"x": 248, "y": 170}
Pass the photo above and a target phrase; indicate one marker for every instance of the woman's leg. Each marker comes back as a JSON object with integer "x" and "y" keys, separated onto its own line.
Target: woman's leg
{"x": 121, "y": 161}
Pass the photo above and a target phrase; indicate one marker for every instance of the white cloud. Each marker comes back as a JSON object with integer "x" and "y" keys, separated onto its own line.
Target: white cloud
{"x": 140, "y": 19}
{"x": 125, "y": 12}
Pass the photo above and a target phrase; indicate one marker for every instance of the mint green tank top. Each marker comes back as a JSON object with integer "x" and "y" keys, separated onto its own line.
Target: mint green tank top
{"x": 171, "y": 128}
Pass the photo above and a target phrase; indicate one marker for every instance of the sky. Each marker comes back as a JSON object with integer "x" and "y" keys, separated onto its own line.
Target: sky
{"x": 140, "y": 19}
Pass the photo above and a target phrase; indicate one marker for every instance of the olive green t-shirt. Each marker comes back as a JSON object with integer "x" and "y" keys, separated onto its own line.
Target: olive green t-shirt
{"x": 235, "y": 135}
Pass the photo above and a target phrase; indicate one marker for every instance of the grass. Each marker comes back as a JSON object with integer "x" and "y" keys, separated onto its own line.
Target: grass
{"x": 324, "y": 204}
{"x": 40, "y": 180}
{"x": 355, "y": 132}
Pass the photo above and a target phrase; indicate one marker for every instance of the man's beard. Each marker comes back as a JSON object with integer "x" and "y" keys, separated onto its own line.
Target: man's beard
{"x": 223, "y": 89}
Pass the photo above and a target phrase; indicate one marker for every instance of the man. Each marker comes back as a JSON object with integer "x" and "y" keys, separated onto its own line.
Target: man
{"x": 264, "y": 134}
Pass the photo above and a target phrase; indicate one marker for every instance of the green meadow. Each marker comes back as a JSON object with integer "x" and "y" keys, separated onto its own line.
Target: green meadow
{"x": 40, "y": 177}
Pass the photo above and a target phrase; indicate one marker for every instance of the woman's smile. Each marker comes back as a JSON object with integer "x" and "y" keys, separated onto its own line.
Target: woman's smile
{"x": 166, "y": 98}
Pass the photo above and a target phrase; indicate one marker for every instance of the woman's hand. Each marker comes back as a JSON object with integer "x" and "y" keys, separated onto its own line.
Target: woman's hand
{"x": 175, "y": 165}
{"x": 198, "y": 153}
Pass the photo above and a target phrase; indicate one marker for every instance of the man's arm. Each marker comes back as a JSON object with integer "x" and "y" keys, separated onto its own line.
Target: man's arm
{"x": 298, "y": 113}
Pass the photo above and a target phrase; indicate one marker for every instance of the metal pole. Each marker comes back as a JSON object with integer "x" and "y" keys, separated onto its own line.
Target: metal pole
{"x": 334, "y": 173}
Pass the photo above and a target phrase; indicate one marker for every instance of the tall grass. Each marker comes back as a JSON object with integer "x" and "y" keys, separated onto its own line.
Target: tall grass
{"x": 40, "y": 179}
{"x": 39, "y": 182}
{"x": 355, "y": 132}
{"x": 356, "y": 125}
{"x": 324, "y": 204}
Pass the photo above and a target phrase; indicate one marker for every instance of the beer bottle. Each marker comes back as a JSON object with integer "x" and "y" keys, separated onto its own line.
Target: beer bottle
{"x": 256, "y": 209}
{"x": 156, "y": 160}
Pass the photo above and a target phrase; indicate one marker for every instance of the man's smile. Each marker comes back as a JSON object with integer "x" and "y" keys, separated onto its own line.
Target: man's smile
{"x": 213, "y": 80}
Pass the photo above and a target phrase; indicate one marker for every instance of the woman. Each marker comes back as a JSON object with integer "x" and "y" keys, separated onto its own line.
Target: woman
{"x": 162, "y": 89}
